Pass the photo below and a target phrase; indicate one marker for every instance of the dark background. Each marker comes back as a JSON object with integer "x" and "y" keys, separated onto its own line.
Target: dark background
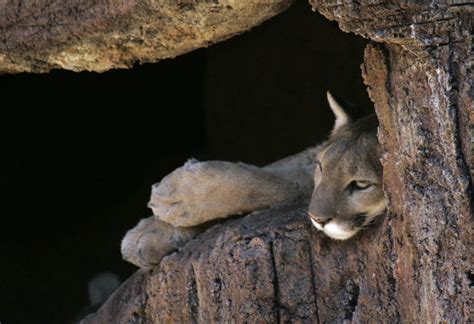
{"x": 81, "y": 150}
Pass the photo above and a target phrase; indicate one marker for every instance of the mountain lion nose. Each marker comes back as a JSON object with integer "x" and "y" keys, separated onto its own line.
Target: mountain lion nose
{"x": 320, "y": 220}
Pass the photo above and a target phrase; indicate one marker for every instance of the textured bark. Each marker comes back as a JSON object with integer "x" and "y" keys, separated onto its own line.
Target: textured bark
{"x": 436, "y": 40}
{"x": 37, "y": 36}
{"x": 270, "y": 266}
{"x": 415, "y": 266}
{"x": 427, "y": 180}
{"x": 420, "y": 81}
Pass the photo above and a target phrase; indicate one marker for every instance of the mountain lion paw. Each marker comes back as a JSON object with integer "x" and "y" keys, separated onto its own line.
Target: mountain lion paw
{"x": 151, "y": 240}
{"x": 202, "y": 191}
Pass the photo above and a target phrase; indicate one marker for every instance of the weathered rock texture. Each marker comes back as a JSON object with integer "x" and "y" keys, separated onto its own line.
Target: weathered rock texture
{"x": 270, "y": 266}
{"x": 434, "y": 40}
{"x": 415, "y": 266}
{"x": 420, "y": 81}
{"x": 37, "y": 36}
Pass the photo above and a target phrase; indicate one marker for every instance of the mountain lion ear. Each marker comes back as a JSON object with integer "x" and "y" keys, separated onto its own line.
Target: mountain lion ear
{"x": 341, "y": 116}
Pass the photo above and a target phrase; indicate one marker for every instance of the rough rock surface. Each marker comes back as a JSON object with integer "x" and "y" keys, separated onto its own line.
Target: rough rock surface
{"x": 270, "y": 266}
{"x": 427, "y": 181}
{"x": 37, "y": 36}
{"x": 436, "y": 37}
{"x": 421, "y": 83}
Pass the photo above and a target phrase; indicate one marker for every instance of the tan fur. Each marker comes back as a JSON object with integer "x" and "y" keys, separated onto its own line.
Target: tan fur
{"x": 200, "y": 192}
{"x": 341, "y": 116}
{"x": 148, "y": 242}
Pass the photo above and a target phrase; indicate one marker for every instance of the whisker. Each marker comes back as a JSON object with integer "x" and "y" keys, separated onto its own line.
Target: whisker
{"x": 372, "y": 222}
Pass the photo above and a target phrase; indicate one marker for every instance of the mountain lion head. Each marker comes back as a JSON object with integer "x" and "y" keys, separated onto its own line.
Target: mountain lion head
{"x": 347, "y": 192}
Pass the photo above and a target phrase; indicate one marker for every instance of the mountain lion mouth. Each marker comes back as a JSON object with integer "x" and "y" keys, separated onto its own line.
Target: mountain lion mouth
{"x": 338, "y": 232}
{"x": 334, "y": 230}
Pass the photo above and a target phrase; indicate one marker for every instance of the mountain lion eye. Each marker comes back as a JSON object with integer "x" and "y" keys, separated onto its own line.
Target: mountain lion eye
{"x": 359, "y": 185}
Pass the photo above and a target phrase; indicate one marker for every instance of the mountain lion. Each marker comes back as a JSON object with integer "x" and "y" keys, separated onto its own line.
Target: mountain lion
{"x": 343, "y": 174}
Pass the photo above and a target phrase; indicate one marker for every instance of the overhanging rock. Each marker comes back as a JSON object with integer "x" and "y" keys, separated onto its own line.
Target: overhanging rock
{"x": 37, "y": 36}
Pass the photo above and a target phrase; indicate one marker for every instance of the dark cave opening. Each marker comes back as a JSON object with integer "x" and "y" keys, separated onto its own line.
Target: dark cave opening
{"x": 82, "y": 150}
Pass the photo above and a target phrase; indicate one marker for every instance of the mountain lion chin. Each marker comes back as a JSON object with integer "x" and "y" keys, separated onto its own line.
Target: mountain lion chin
{"x": 335, "y": 231}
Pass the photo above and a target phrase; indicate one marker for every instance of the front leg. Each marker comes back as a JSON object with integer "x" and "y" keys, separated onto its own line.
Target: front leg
{"x": 200, "y": 192}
